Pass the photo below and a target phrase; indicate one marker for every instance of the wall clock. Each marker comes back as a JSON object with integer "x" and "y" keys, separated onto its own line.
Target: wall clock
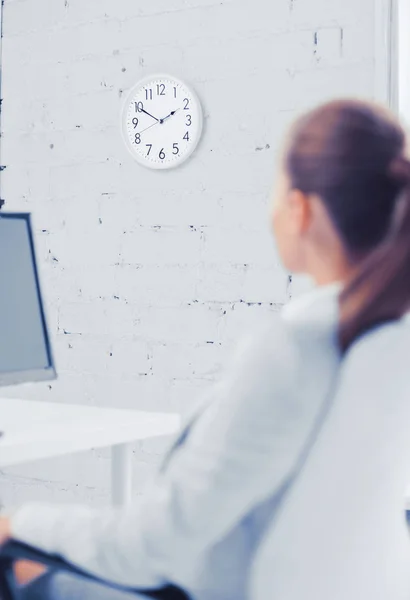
{"x": 161, "y": 122}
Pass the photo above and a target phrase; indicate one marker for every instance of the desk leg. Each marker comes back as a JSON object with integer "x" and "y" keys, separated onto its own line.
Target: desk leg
{"x": 121, "y": 474}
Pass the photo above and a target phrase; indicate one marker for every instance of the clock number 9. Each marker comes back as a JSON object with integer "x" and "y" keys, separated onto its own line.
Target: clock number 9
{"x": 139, "y": 107}
{"x": 135, "y": 122}
{"x": 162, "y": 154}
{"x": 137, "y": 138}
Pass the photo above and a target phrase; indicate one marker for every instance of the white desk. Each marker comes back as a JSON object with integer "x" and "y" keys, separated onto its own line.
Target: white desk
{"x": 35, "y": 430}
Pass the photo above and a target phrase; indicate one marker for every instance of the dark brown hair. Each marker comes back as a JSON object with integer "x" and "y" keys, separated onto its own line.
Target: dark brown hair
{"x": 352, "y": 155}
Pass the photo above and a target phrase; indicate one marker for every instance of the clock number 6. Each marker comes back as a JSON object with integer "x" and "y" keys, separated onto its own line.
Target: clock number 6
{"x": 175, "y": 149}
{"x": 162, "y": 154}
{"x": 137, "y": 138}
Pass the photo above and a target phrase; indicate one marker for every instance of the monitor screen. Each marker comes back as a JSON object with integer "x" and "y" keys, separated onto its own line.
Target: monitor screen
{"x": 25, "y": 352}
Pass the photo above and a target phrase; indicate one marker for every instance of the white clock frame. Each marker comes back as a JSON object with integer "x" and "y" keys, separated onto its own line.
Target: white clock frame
{"x": 124, "y": 127}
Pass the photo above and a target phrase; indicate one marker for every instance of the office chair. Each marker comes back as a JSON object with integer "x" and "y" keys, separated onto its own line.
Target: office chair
{"x": 14, "y": 551}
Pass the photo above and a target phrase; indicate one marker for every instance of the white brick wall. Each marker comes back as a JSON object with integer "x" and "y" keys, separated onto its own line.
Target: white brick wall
{"x": 150, "y": 277}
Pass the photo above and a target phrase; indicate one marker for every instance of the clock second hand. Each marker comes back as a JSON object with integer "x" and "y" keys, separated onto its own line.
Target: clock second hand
{"x": 153, "y": 125}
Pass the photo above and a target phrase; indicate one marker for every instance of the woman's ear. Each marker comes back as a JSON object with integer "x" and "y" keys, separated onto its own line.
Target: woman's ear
{"x": 300, "y": 211}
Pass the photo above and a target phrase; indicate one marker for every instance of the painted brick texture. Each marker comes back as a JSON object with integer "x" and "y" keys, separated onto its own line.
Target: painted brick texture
{"x": 150, "y": 277}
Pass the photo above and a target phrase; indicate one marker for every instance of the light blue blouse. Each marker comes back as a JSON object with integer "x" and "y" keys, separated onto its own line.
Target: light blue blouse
{"x": 201, "y": 520}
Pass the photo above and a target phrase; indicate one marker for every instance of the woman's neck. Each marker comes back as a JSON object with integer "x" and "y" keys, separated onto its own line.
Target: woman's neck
{"x": 336, "y": 272}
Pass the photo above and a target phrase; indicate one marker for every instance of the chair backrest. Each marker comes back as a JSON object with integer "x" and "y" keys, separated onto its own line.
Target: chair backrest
{"x": 341, "y": 533}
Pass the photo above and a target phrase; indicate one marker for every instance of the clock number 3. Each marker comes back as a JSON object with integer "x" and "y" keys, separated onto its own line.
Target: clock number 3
{"x": 189, "y": 121}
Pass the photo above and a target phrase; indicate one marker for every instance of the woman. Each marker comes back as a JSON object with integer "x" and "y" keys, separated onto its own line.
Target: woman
{"x": 342, "y": 216}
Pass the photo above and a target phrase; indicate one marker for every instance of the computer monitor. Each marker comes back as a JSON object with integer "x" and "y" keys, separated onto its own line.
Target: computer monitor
{"x": 25, "y": 351}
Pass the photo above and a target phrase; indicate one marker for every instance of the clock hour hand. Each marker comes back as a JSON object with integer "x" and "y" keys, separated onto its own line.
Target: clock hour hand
{"x": 171, "y": 114}
{"x": 147, "y": 113}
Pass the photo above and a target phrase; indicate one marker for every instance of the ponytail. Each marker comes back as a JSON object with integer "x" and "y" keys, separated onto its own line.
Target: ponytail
{"x": 351, "y": 155}
{"x": 380, "y": 290}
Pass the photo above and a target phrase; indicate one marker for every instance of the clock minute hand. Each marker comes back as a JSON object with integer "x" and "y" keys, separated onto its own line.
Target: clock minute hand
{"x": 171, "y": 114}
{"x": 147, "y": 113}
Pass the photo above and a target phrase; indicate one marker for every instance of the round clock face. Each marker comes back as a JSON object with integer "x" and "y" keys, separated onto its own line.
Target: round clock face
{"x": 161, "y": 122}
